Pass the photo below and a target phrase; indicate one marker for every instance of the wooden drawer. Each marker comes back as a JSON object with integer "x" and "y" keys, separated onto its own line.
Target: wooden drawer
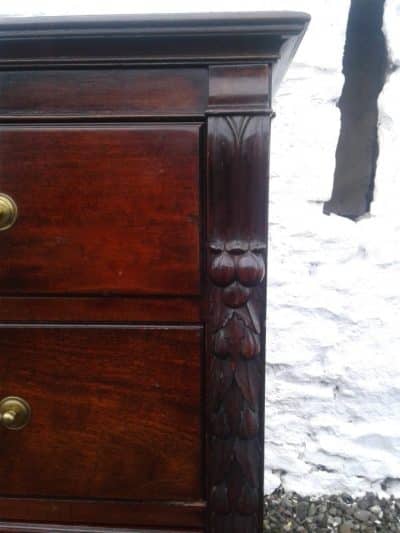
{"x": 101, "y": 209}
{"x": 115, "y": 413}
{"x": 132, "y": 284}
{"x": 103, "y": 92}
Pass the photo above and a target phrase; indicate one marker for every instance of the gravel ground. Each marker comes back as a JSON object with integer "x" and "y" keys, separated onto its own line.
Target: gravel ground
{"x": 287, "y": 511}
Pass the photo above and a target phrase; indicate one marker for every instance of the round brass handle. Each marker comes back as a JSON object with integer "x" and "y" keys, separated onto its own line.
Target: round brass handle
{"x": 15, "y": 412}
{"x": 8, "y": 212}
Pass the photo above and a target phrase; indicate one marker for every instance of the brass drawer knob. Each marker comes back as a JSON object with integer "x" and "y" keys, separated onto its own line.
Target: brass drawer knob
{"x": 15, "y": 412}
{"x": 8, "y": 212}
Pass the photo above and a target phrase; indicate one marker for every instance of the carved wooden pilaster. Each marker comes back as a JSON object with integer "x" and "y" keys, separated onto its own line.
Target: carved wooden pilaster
{"x": 236, "y": 267}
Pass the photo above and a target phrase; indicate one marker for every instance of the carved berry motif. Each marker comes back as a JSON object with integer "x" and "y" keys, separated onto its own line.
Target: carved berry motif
{"x": 235, "y": 331}
{"x": 223, "y": 269}
{"x": 236, "y": 298}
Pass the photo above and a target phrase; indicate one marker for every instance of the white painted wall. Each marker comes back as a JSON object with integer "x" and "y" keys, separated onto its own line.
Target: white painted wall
{"x": 334, "y": 297}
{"x": 333, "y": 394}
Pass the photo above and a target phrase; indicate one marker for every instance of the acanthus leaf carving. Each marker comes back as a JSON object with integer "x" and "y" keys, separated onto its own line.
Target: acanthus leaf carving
{"x": 236, "y": 268}
{"x": 235, "y": 340}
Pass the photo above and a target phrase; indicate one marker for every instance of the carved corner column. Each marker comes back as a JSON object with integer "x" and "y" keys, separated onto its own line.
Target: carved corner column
{"x": 237, "y": 143}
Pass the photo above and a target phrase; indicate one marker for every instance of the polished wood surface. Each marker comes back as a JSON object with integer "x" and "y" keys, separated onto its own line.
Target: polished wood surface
{"x": 186, "y": 515}
{"x": 102, "y": 209}
{"x": 115, "y": 412}
{"x": 167, "y": 40}
{"x": 53, "y": 528}
{"x": 100, "y": 93}
{"x": 237, "y": 226}
{"x": 132, "y": 286}
{"x": 138, "y": 309}
{"x": 245, "y": 88}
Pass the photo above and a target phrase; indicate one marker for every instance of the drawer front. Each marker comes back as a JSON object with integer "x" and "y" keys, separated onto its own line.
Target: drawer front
{"x": 101, "y": 209}
{"x": 103, "y": 92}
{"x": 115, "y": 413}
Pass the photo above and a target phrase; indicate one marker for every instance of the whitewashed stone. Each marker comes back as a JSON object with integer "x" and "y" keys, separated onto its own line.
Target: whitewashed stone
{"x": 340, "y": 379}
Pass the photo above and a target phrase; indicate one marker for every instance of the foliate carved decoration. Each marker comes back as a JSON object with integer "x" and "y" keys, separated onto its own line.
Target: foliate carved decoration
{"x": 235, "y": 326}
{"x": 236, "y": 385}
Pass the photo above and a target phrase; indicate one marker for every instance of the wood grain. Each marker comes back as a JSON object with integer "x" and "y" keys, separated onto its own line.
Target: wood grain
{"x": 241, "y": 88}
{"x": 103, "y": 93}
{"x": 169, "y": 515}
{"x": 145, "y": 310}
{"x": 115, "y": 412}
{"x": 167, "y": 40}
{"x": 102, "y": 209}
{"x": 122, "y": 220}
{"x": 236, "y": 201}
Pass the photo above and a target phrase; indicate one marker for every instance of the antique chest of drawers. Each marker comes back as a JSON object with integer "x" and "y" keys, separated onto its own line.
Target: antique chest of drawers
{"x": 133, "y": 194}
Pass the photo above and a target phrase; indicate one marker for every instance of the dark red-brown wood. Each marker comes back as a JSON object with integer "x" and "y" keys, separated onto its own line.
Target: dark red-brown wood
{"x": 53, "y": 528}
{"x": 236, "y": 246}
{"x": 115, "y": 412}
{"x": 103, "y": 93}
{"x": 157, "y": 309}
{"x": 98, "y": 513}
{"x": 168, "y": 40}
{"x": 137, "y": 151}
{"x": 245, "y": 88}
{"x": 102, "y": 209}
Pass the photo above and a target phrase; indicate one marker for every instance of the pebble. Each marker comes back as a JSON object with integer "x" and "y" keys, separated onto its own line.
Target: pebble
{"x": 362, "y": 515}
{"x": 376, "y": 510}
{"x": 301, "y": 511}
{"x": 339, "y": 513}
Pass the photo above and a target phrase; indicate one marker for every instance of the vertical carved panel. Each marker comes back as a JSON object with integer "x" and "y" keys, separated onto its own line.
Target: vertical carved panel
{"x": 236, "y": 264}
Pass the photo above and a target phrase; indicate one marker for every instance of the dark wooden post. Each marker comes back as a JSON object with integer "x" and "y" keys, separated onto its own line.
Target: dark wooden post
{"x": 238, "y": 136}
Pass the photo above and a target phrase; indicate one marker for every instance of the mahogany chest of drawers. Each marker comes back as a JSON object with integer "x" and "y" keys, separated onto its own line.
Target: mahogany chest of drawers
{"x": 133, "y": 194}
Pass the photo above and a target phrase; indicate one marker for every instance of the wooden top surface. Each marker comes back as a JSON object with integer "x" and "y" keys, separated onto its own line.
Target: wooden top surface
{"x": 169, "y": 39}
{"x": 265, "y": 22}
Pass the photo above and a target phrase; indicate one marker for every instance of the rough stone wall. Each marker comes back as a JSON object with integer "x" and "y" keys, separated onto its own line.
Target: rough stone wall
{"x": 333, "y": 394}
{"x": 333, "y": 374}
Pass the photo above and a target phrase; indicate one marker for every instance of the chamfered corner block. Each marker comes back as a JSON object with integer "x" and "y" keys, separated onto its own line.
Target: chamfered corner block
{"x": 134, "y": 155}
